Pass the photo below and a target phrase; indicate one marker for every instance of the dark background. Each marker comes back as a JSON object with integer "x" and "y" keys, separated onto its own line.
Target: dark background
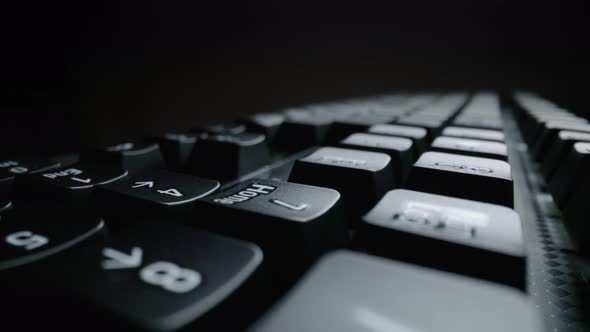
{"x": 78, "y": 73}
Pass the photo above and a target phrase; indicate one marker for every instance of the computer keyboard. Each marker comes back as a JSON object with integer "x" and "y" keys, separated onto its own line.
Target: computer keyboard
{"x": 404, "y": 212}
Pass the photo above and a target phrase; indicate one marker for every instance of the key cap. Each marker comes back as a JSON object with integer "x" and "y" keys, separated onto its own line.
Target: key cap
{"x": 231, "y": 128}
{"x": 227, "y": 157}
{"x": 345, "y": 126}
{"x": 473, "y": 178}
{"x": 303, "y": 130}
{"x": 71, "y": 186}
{"x": 176, "y": 148}
{"x": 152, "y": 193}
{"x": 11, "y": 168}
{"x": 470, "y": 147}
{"x": 434, "y": 230}
{"x": 481, "y": 122}
{"x": 483, "y": 134}
{"x": 159, "y": 277}
{"x": 265, "y": 123}
{"x": 28, "y": 236}
{"x": 399, "y": 149}
{"x": 432, "y": 126}
{"x": 347, "y": 291}
{"x": 575, "y": 214}
{"x": 291, "y": 222}
{"x": 570, "y": 173}
{"x": 361, "y": 177}
{"x": 548, "y": 135}
{"x": 559, "y": 150}
{"x": 416, "y": 134}
{"x": 133, "y": 157}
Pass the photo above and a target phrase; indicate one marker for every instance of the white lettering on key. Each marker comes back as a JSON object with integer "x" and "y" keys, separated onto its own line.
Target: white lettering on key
{"x": 26, "y": 239}
{"x": 67, "y": 172}
{"x": 119, "y": 260}
{"x": 171, "y": 277}
{"x": 246, "y": 194}
{"x": 9, "y": 163}
{"x": 171, "y": 192}
{"x": 140, "y": 184}
{"x": 19, "y": 170}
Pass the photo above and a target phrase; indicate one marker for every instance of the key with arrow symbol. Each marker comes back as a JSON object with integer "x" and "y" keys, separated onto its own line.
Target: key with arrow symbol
{"x": 117, "y": 260}
{"x": 140, "y": 184}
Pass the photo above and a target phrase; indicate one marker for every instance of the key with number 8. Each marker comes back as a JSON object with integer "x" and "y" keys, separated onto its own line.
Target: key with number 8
{"x": 161, "y": 277}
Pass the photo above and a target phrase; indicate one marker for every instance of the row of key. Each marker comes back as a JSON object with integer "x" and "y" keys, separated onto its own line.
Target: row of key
{"x": 386, "y": 195}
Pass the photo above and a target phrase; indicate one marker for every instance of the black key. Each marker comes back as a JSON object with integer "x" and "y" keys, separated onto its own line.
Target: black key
{"x": 302, "y": 131}
{"x": 576, "y": 211}
{"x": 435, "y": 230}
{"x": 231, "y": 128}
{"x": 478, "y": 121}
{"x": 398, "y": 148}
{"x": 559, "y": 150}
{"x": 133, "y": 157}
{"x": 361, "y": 177}
{"x": 473, "y": 178}
{"x": 227, "y": 157}
{"x": 9, "y": 169}
{"x": 176, "y": 148}
{"x": 68, "y": 185}
{"x": 265, "y": 123}
{"x": 158, "y": 277}
{"x": 348, "y": 291}
{"x": 548, "y": 135}
{"x": 292, "y": 223}
{"x": 152, "y": 193}
{"x": 28, "y": 236}
{"x": 570, "y": 173}
{"x": 432, "y": 126}
{"x": 470, "y": 147}
{"x": 416, "y": 134}
{"x": 344, "y": 126}
{"x": 484, "y": 134}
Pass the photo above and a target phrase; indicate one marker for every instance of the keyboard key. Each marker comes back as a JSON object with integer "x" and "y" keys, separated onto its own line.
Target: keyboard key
{"x": 177, "y": 148}
{"x": 11, "y": 168}
{"x": 470, "y": 147}
{"x": 68, "y": 185}
{"x": 398, "y": 148}
{"x": 348, "y": 291}
{"x": 484, "y": 134}
{"x": 478, "y": 121}
{"x": 159, "y": 277}
{"x": 303, "y": 130}
{"x": 548, "y": 135}
{"x": 416, "y": 134}
{"x": 434, "y": 230}
{"x": 559, "y": 150}
{"x": 292, "y": 223}
{"x": 228, "y": 157}
{"x": 231, "y": 128}
{"x": 432, "y": 126}
{"x": 361, "y": 177}
{"x": 27, "y": 236}
{"x": 344, "y": 126}
{"x": 570, "y": 173}
{"x": 268, "y": 124}
{"x": 152, "y": 193}
{"x": 473, "y": 178}
{"x": 133, "y": 157}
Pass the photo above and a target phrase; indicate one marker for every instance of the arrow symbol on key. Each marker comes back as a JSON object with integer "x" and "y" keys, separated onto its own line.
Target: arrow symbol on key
{"x": 120, "y": 260}
{"x": 143, "y": 184}
{"x": 81, "y": 180}
{"x": 299, "y": 207}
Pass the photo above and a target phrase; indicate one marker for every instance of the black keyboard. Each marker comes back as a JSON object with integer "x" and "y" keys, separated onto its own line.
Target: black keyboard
{"x": 404, "y": 212}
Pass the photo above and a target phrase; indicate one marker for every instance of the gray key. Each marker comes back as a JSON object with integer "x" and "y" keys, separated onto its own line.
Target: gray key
{"x": 353, "y": 292}
{"x": 487, "y": 134}
{"x": 434, "y": 230}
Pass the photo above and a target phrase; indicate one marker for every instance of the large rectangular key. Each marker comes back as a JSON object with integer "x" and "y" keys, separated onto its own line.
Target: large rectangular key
{"x": 473, "y": 178}
{"x": 559, "y": 150}
{"x": 157, "y": 276}
{"x": 353, "y": 292}
{"x": 435, "y": 230}
{"x": 476, "y": 133}
{"x": 570, "y": 173}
